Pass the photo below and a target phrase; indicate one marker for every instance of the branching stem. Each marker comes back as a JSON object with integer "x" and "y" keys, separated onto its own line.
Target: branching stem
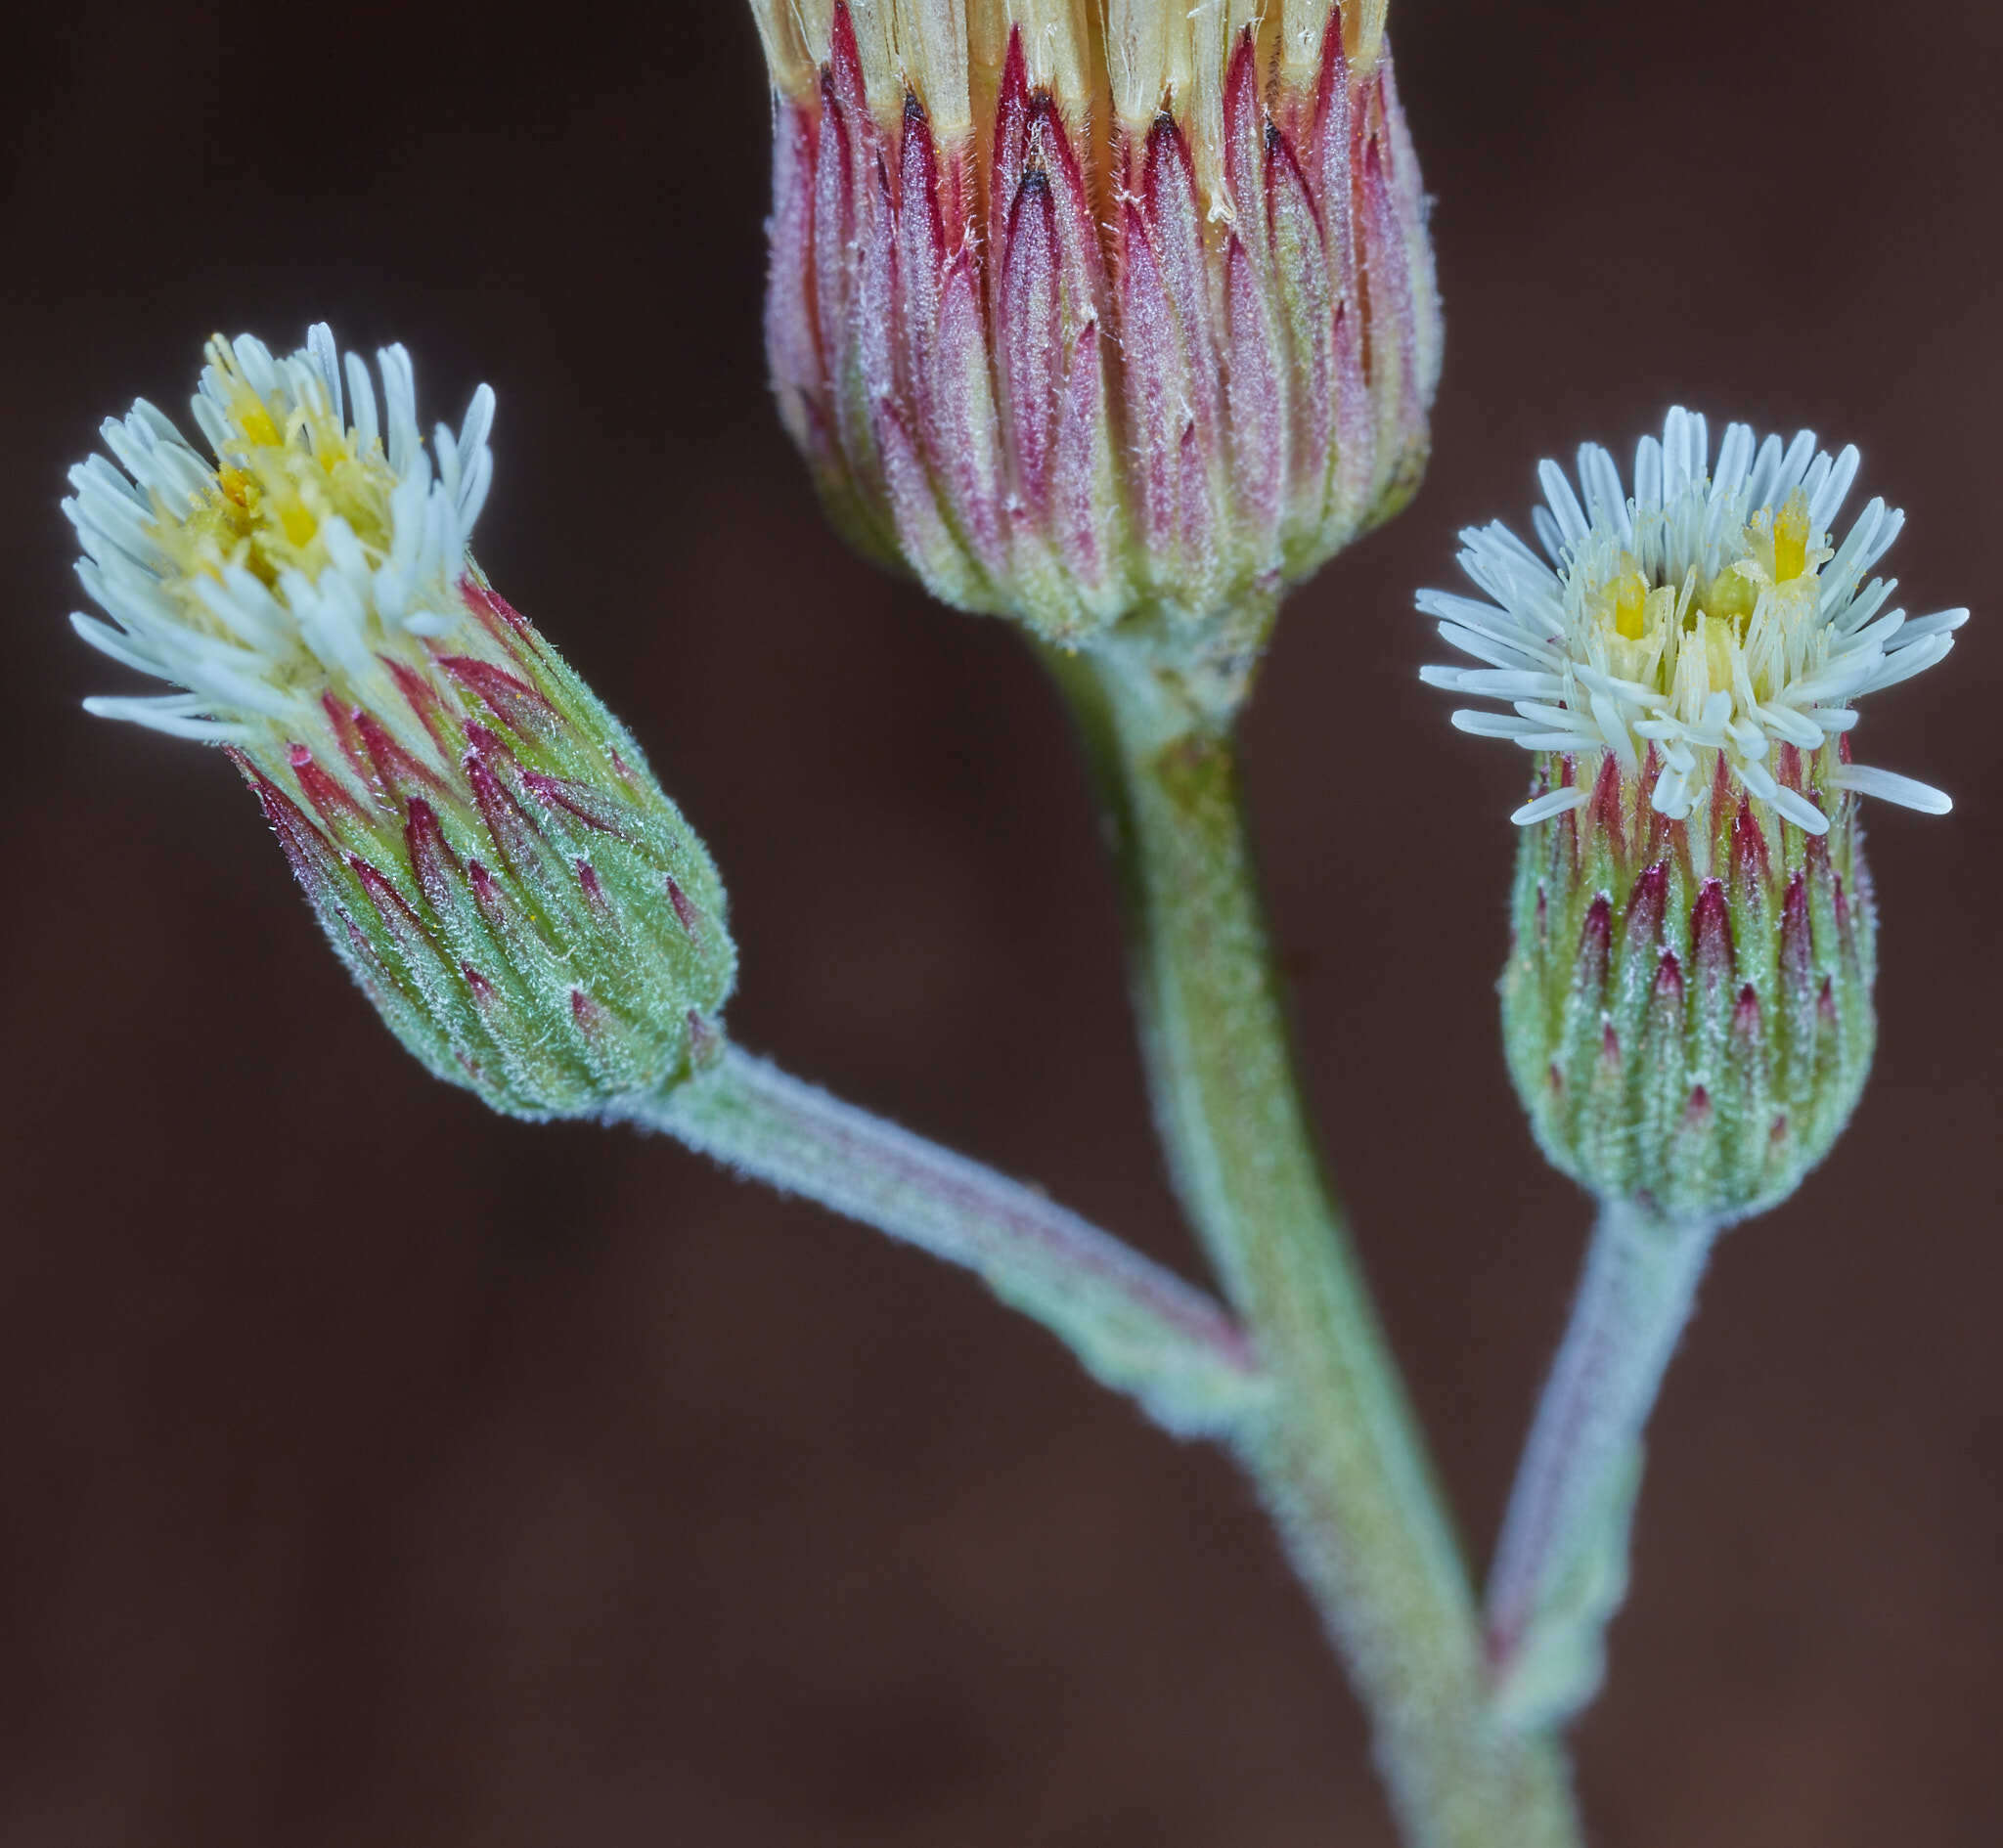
{"x": 1339, "y": 1461}
{"x": 1135, "y": 1325}
{"x": 1560, "y": 1566}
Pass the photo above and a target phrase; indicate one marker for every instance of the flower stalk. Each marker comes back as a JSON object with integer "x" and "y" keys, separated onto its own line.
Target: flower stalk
{"x": 1339, "y": 1459}
{"x": 1560, "y": 1566}
{"x": 1134, "y": 1326}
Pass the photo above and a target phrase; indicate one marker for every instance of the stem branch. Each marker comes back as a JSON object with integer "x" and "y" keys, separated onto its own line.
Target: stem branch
{"x": 1560, "y": 1566}
{"x": 1339, "y": 1460}
{"x": 1133, "y": 1325}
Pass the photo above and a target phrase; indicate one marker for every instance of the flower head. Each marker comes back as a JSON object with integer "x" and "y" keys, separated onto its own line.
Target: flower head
{"x": 479, "y": 838}
{"x": 1710, "y": 623}
{"x": 1687, "y": 1003}
{"x": 1102, "y": 314}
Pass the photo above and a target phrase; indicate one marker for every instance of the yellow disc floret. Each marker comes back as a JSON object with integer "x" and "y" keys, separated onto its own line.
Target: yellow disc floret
{"x": 1708, "y": 629}
{"x": 315, "y": 550}
{"x": 284, "y": 468}
{"x": 1692, "y": 636}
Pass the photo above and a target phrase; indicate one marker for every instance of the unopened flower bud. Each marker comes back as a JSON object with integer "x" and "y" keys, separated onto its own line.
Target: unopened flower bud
{"x": 480, "y": 840}
{"x": 1687, "y": 1003}
{"x": 1098, "y": 315}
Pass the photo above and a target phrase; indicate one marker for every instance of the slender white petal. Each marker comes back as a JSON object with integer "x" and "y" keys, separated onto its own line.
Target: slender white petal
{"x": 1563, "y": 503}
{"x": 1648, "y": 475}
{"x": 116, "y": 643}
{"x": 1550, "y": 534}
{"x": 326, "y": 362}
{"x": 473, "y": 490}
{"x": 1499, "y": 535}
{"x": 1614, "y": 732}
{"x": 1510, "y": 683}
{"x": 1863, "y": 607}
{"x": 1759, "y": 780}
{"x": 1795, "y": 726}
{"x": 1799, "y": 810}
{"x": 1714, "y": 614}
{"x": 363, "y": 392}
{"x": 1606, "y": 499}
{"x": 1918, "y": 628}
{"x": 236, "y": 579}
{"x": 178, "y": 717}
{"x": 1907, "y": 662}
{"x": 473, "y": 433}
{"x": 1595, "y": 682}
{"x": 1765, "y": 472}
{"x": 1500, "y": 654}
{"x": 1557, "y": 802}
{"x": 1491, "y": 725}
{"x": 1734, "y": 459}
{"x": 1888, "y": 786}
{"x": 1828, "y": 500}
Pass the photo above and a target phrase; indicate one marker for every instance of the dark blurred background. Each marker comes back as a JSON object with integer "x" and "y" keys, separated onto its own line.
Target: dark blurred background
{"x": 379, "y": 1470}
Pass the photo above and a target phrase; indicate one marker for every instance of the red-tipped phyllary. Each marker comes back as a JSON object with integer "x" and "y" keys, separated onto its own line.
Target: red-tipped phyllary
{"x": 479, "y": 838}
{"x": 1104, "y": 319}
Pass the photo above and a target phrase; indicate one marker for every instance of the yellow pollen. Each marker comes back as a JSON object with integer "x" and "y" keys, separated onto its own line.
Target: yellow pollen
{"x": 1630, "y": 603}
{"x": 1791, "y": 537}
{"x": 281, "y": 477}
{"x": 1732, "y": 595}
{"x": 1694, "y": 637}
{"x": 1622, "y": 602}
{"x": 1720, "y": 639}
{"x": 252, "y": 418}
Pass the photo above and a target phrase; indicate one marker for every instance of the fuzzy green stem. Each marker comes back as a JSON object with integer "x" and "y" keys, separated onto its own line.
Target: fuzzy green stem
{"x": 1339, "y": 1461}
{"x": 1133, "y": 1325}
{"x": 1561, "y": 1566}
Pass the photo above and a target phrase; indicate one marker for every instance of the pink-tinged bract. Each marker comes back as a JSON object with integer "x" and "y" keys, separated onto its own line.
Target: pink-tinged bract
{"x": 1125, "y": 322}
{"x": 478, "y": 837}
{"x": 1687, "y": 1004}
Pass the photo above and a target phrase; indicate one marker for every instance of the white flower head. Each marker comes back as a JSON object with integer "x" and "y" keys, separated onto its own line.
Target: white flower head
{"x": 480, "y": 840}
{"x": 316, "y": 555}
{"x": 1708, "y": 614}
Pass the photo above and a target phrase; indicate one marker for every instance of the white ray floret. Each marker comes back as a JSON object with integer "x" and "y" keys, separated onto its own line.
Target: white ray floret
{"x": 1711, "y": 613}
{"x": 316, "y": 549}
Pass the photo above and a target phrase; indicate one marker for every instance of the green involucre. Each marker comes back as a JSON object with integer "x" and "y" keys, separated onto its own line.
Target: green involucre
{"x": 540, "y": 924}
{"x": 1687, "y": 1005}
